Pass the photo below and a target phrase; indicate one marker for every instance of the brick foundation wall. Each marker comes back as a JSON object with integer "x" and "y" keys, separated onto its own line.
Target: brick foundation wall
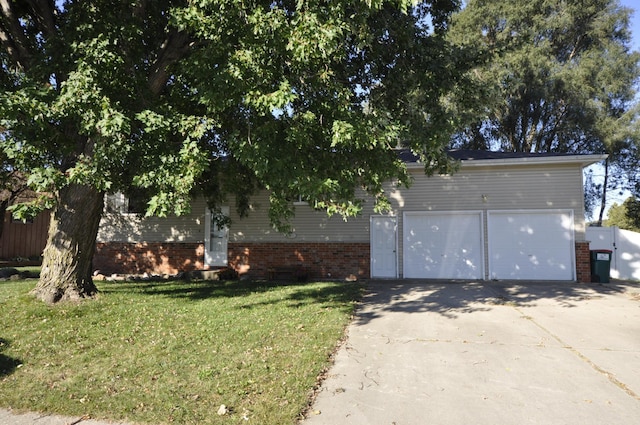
{"x": 158, "y": 258}
{"x": 320, "y": 260}
{"x": 583, "y": 262}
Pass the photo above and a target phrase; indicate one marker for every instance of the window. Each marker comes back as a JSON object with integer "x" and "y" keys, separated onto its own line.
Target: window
{"x": 116, "y": 203}
{"x": 300, "y": 200}
{"x": 135, "y": 203}
{"x": 138, "y": 201}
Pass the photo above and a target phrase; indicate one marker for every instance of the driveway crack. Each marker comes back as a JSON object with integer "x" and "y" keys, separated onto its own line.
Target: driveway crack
{"x": 610, "y": 376}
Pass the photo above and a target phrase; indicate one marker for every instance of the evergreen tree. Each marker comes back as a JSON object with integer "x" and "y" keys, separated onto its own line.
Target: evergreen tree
{"x": 559, "y": 77}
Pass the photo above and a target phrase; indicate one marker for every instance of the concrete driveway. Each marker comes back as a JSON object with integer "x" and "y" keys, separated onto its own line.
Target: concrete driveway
{"x": 487, "y": 353}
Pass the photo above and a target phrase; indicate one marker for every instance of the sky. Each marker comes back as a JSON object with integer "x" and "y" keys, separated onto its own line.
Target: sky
{"x": 635, "y": 21}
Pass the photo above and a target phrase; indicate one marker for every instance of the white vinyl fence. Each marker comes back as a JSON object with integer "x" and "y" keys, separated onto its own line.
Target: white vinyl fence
{"x": 625, "y": 260}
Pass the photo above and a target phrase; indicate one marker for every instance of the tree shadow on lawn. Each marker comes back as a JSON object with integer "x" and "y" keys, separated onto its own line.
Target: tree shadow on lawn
{"x": 453, "y": 298}
{"x": 7, "y": 364}
{"x": 303, "y": 293}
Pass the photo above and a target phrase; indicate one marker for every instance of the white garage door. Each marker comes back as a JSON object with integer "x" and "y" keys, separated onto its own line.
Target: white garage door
{"x": 536, "y": 245}
{"x": 443, "y": 245}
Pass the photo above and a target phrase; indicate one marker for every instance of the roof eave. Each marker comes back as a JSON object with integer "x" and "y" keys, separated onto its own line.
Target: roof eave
{"x": 583, "y": 160}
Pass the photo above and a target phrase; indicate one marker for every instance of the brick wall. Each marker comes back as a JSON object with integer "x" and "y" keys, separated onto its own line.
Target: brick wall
{"x": 583, "y": 262}
{"x": 158, "y": 258}
{"x": 320, "y": 260}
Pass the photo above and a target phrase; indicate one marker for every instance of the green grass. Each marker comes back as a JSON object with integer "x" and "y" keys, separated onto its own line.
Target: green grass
{"x": 157, "y": 352}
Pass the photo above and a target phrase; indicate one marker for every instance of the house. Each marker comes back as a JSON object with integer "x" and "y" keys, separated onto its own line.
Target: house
{"x": 501, "y": 216}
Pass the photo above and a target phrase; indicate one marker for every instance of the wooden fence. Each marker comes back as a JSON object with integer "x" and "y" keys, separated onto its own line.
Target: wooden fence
{"x": 24, "y": 240}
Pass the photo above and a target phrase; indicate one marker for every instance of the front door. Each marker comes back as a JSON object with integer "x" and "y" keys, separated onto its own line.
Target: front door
{"x": 215, "y": 239}
{"x": 383, "y": 247}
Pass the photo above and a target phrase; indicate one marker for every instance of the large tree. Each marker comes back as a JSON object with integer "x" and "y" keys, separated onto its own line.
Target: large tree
{"x": 303, "y": 98}
{"x": 561, "y": 78}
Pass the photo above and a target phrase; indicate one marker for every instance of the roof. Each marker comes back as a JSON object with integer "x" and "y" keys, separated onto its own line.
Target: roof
{"x": 470, "y": 157}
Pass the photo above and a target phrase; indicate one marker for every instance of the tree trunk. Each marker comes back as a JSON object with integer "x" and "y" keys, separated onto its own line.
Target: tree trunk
{"x": 66, "y": 264}
{"x": 603, "y": 201}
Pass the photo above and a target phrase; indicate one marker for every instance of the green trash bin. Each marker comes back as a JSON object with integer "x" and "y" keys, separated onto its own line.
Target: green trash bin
{"x": 601, "y": 265}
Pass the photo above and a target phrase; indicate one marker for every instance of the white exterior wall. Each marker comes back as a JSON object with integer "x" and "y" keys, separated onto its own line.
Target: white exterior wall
{"x": 482, "y": 188}
{"x": 308, "y": 226}
{"x": 479, "y": 188}
{"x": 115, "y": 227}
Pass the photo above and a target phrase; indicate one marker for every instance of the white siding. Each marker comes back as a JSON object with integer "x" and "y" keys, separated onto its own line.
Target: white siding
{"x": 134, "y": 228}
{"x": 308, "y": 225}
{"x": 526, "y": 187}
{"x": 471, "y": 188}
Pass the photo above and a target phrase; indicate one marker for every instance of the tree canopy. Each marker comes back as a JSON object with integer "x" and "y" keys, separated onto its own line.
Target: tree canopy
{"x": 168, "y": 97}
{"x": 625, "y": 216}
{"x": 560, "y": 78}
{"x": 163, "y": 91}
{"x": 561, "y": 75}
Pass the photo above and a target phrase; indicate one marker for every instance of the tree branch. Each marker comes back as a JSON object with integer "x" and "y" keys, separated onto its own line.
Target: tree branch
{"x": 8, "y": 45}
{"x": 174, "y": 48}
{"x": 12, "y": 36}
{"x": 603, "y": 200}
{"x": 44, "y": 14}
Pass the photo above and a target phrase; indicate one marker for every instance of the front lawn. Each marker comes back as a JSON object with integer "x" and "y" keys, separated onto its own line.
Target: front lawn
{"x": 157, "y": 352}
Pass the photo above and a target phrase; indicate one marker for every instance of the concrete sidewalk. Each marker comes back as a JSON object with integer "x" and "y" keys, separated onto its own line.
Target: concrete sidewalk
{"x": 9, "y": 418}
{"x": 487, "y": 353}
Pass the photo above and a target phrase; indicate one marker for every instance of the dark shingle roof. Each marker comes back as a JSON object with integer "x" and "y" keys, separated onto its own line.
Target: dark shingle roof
{"x": 467, "y": 154}
{"x": 476, "y": 155}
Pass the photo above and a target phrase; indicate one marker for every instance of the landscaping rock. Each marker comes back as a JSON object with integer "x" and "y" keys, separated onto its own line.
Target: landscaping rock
{"x": 226, "y": 273}
{"x": 8, "y": 272}
{"x": 202, "y": 275}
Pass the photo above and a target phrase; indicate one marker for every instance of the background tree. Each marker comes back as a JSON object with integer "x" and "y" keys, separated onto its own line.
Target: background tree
{"x": 560, "y": 78}
{"x": 170, "y": 97}
{"x": 625, "y": 216}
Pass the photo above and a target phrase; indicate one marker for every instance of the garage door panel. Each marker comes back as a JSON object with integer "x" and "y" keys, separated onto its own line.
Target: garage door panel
{"x": 531, "y": 245}
{"x": 443, "y": 245}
